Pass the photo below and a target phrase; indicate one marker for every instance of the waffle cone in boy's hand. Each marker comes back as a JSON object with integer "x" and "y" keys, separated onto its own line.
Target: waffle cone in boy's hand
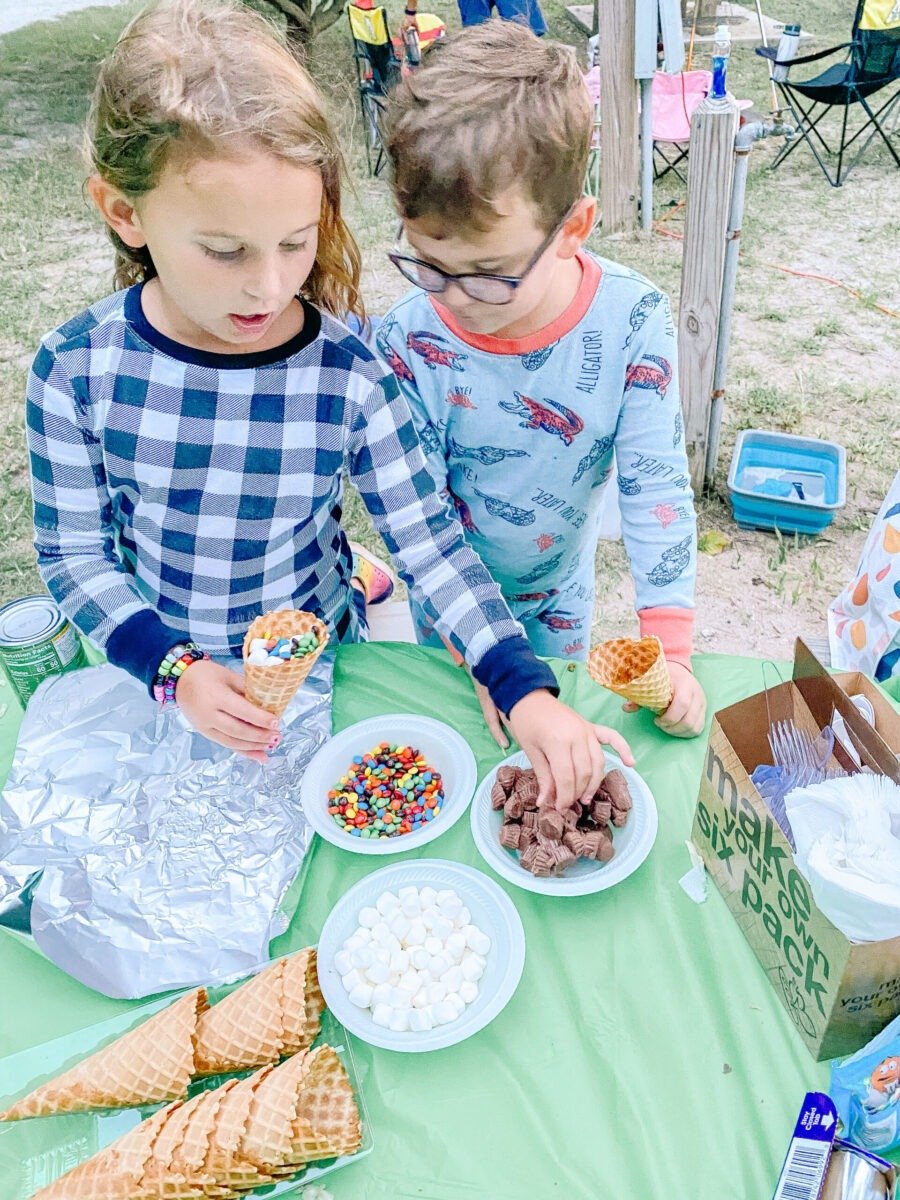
{"x": 634, "y": 669}
{"x": 274, "y": 687}
{"x": 245, "y": 1029}
{"x": 148, "y": 1065}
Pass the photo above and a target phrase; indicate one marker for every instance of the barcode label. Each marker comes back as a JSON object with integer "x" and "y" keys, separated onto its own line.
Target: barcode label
{"x": 804, "y": 1170}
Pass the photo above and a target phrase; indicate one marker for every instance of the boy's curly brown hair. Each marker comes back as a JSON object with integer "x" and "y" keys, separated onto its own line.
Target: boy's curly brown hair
{"x": 491, "y": 106}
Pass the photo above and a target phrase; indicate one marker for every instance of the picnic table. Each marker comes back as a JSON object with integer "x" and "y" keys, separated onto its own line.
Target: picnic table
{"x": 644, "y": 1053}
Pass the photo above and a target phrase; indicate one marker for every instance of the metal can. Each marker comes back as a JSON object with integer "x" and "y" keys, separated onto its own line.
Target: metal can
{"x": 36, "y": 640}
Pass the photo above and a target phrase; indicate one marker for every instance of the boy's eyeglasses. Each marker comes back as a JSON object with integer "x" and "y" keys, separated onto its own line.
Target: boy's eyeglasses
{"x": 489, "y": 289}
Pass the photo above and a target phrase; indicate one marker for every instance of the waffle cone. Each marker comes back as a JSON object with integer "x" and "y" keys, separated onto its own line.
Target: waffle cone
{"x": 327, "y": 1123}
{"x": 635, "y": 670}
{"x": 273, "y": 688}
{"x": 245, "y": 1029}
{"x": 224, "y": 1160}
{"x": 148, "y": 1065}
{"x": 268, "y": 1137}
{"x": 303, "y": 1002}
{"x": 162, "y": 1176}
{"x": 190, "y": 1154}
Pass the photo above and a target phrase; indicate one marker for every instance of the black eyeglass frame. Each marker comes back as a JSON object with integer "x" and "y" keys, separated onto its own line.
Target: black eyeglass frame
{"x": 512, "y": 282}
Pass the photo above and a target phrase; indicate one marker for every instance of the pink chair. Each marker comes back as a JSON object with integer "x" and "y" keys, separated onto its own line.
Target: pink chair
{"x": 674, "y": 99}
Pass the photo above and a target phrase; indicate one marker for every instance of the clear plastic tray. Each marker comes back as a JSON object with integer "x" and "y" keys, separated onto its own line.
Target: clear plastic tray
{"x": 35, "y": 1152}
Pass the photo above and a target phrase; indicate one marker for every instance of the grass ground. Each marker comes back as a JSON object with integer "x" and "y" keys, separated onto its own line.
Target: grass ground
{"x": 807, "y": 356}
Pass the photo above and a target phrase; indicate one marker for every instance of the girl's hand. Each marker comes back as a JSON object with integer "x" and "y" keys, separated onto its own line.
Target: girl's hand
{"x": 563, "y": 748}
{"x": 212, "y": 698}
{"x": 686, "y": 715}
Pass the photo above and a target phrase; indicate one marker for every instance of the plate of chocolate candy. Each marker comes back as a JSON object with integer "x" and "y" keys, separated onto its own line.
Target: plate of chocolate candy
{"x": 585, "y": 850}
{"x": 388, "y": 784}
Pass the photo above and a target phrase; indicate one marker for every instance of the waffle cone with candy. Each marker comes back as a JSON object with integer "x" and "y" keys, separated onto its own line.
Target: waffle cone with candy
{"x": 635, "y": 669}
{"x": 280, "y": 649}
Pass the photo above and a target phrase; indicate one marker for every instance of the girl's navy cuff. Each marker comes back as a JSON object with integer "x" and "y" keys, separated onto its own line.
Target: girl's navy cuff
{"x": 511, "y": 670}
{"x": 140, "y": 644}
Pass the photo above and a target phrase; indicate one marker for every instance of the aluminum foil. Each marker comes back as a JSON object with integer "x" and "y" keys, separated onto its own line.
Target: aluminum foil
{"x": 151, "y": 858}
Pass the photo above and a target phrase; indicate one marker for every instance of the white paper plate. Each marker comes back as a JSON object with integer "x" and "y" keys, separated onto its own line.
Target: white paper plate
{"x": 442, "y": 748}
{"x": 492, "y": 911}
{"x": 633, "y": 842}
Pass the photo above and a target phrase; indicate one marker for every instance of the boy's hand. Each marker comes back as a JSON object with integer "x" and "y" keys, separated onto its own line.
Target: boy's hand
{"x": 563, "y": 748}
{"x": 686, "y": 715}
{"x": 408, "y": 22}
{"x": 492, "y": 715}
{"x": 212, "y": 698}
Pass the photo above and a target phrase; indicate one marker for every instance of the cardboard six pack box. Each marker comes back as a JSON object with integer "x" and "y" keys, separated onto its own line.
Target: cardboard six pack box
{"x": 839, "y": 994}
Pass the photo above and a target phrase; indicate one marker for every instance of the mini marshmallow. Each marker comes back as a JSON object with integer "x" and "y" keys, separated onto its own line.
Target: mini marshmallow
{"x": 369, "y": 917}
{"x": 378, "y": 972}
{"x": 399, "y": 961}
{"x": 381, "y": 994}
{"x": 362, "y": 958}
{"x": 429, "y": 916}
{"x": 438, "y": 965}
{"x": 408, "y": 893}
{"x": 354, "y": 942}
{"x": 478, "y": 941}
{"x": 444, "y": 1012}
{"x": 462, "y": 918}
{"x": 457, "y": 1001}
{"x": 420, "y": 1020}
{"x": 381, "y": 1015}
{"x": 428, "y": 896}
{"x": 449, "y": 904}
{"x": 434, "y": 945}
{"x": 444, "y": 895}
{"x": 436, "y": 992}
{"x": 351, "y": 980}
{"x": 409, "y": 983}
{"x": 387, "y": 903}
{"x": 442, "y": 928}
{"x": 452, "y": 979}
{"x": 400, "y": 925}
{"x": 468, "y": 991}
{"x": 399, "y": 998}
{"x": 361, "y": 995}
{"x": 399, "y": 1020}
{"x": 411, "y": 908}
{"x": 342, "y": 963}
{"x": 420, "y": 999}
{"x": 456, "y": 945}
{"x": 417, "y": 933}
{"x": 364, "y": 935}
{"x": 419, "y": 957}
{"x": 258, "y": 658}
{"x": 471, "y": 968}
{"x": 381, "y": 930}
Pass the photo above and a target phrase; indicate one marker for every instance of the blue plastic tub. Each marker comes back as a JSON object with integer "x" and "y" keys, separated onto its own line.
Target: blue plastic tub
{"x": 781, "y": 481}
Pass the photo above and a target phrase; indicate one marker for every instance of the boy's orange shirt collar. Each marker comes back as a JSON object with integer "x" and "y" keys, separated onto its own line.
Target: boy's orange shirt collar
{"x": 591, "y": 274}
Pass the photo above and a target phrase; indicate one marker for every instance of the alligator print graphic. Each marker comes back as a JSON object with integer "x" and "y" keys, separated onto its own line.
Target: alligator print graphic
{"x": 559, "y": 621}
{"x": 654, "y": 378}
{"x": 396, "y": 363}
{"x": 506, "y": 511}
{"x": 672, "y": 564}
{"x": 629, "y": 487}
{"x": 460, "y": 397}
{"x": 599, "y": 450}
{"x": 547, "y": 567}
{"x": 429, "y": 348}
{"x": 640, "y": 313}
{"x": 488, "y": 455}
{"x": 463, "y": 513}
{"x": 562, "y": 422}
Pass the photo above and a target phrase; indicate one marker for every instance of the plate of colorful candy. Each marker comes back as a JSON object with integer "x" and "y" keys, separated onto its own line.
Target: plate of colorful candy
{"x": 388, "y": 784}
{"x": 585, "y": 851}
{"x": 420, "y": 955}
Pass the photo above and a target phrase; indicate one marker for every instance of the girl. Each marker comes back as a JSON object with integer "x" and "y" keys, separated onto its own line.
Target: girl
{"x": 188, "y": 434}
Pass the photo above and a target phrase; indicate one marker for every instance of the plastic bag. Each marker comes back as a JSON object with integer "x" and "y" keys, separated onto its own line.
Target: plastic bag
{"x": 848, "y": 848}
{"x": 864, "y": 620}
{"x": 866, "y": 1091}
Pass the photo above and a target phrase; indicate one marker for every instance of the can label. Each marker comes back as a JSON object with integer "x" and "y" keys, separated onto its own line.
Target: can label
{"x": 28, "y": 665}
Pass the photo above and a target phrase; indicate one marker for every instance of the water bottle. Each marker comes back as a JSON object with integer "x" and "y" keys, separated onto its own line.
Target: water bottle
{"x": 721, "y": 51}
{"x": 411, "y": 44}
{"x": 787, "y": 48}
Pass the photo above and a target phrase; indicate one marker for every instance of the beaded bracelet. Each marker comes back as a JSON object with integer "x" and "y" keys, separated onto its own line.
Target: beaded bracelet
{"x": 172, "y": 667}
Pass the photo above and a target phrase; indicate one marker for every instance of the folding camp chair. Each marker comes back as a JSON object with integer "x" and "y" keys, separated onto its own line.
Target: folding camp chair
{"x": 674, "y": 99}
{"x": 377, "y": 70}
{"x": 871, "y": 65}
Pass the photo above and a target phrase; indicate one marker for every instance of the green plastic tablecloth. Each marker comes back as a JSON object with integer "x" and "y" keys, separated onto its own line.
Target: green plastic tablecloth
{"x": 644, "y": 1055}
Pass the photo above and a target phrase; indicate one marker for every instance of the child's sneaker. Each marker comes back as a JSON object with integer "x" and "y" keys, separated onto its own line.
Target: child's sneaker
{"x": 376, "y": 577}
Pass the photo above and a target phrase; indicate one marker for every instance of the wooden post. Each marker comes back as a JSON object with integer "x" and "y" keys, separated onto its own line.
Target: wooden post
{"x": 619, "y": 159}
{"x": 710, "y": 173}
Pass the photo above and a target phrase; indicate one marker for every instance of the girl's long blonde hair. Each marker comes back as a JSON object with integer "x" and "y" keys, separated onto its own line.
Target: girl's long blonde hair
{"x": 200, "y": 78}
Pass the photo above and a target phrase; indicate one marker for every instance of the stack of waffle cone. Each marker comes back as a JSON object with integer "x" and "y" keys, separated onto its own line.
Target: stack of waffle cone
{"x": 149, "y": 1065}
{"x": 277, "y": 1012}
{"x": 635, "y": 670}
{"x": 274, "y": 687}
{"x": 221, "y": 1143}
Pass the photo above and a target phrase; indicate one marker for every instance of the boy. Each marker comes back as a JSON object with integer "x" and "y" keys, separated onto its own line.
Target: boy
{"x": 526, "y": 361}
